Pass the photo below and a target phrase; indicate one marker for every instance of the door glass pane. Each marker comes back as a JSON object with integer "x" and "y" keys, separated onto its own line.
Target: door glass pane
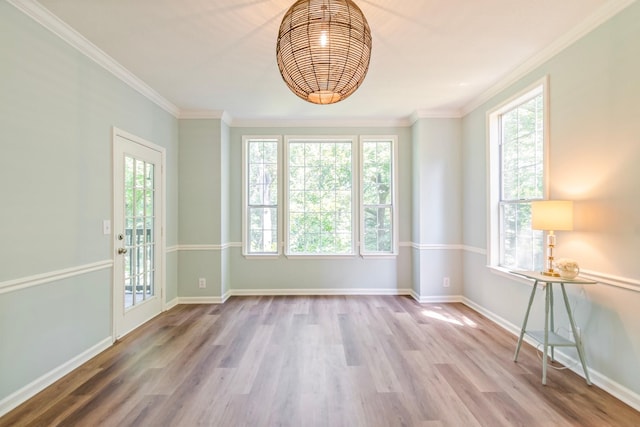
{"x": 139, "y": 232}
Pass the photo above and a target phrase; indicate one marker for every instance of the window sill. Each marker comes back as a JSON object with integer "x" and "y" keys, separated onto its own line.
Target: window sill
{"x": 379, "y": 256}
{"x": 256, "y": 256}
{"x": 316, "y": 256}
{"x": 504, "y": 272}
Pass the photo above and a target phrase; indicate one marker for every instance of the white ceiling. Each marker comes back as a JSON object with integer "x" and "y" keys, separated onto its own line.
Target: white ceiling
{"x": 430, "y": 57}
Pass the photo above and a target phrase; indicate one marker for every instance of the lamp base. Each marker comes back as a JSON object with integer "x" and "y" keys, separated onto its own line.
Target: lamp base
{"x": 550, "y": 273}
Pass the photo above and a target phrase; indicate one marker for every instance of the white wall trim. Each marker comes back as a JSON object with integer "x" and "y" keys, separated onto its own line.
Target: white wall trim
{"x": 170, "y": 304}
{"x": 52, "y": 276}
{"x": 209, "y": 247}
{"x": 318, "y": 291}
{"x": 589, "y": 24}
{"x": 611, "y": 280}
{"x": 443, "y": 246}
{"x": 206, "y": 115}
{"x": 300, "y": 122}
{"x": 170, "y": 249}
{"x": 437, "y": 299}
{"x": 200, "y": 247}
{"x": 419, "y": 246}
{"x": 474, "y": 249}
{"x": 48, "y": 20}
{"x": 435, "y": 114}
{"x": 201, "y": 300}
{"x": 602, "y": 278}
{"x": 433, "y": 246}
{"x": 323, "y": 292}
{"x": 13, "y": 400}
{"x": 612, "y": 387}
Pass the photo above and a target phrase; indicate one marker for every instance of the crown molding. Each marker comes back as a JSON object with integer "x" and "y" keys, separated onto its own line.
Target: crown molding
{"x": 201, "y": 114}
{"x": 206, "y": 114}
{"x": 48, "y": 20}
{"x": 596, "y": 19}
{"x": 291, "y": 122}
{"x": 435, "y": 114}
{"x": 348, "y": 122}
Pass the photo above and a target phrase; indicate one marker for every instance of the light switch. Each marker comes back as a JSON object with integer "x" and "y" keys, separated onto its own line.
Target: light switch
{"x": 106, "y": 227}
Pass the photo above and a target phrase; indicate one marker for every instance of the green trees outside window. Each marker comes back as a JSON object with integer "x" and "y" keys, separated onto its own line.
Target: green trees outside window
{"x": 521, "y": 181}
{"x": 262, "y": 196}
{"x": 320, "y": 198}
{"x": 323, "y": 194}
{"x": 377, "y": 163}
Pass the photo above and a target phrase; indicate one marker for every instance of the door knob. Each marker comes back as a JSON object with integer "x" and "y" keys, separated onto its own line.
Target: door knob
{"x": 122, "y": 251}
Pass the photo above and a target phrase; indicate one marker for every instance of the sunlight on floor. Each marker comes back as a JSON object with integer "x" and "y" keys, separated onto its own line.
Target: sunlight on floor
{"x": 464, "y": 321}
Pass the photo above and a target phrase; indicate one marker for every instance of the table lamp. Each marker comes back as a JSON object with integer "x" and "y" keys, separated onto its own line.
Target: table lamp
{"x": 550, "y": 216}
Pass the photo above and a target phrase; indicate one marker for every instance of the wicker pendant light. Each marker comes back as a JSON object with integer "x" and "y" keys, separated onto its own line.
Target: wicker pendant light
{"x": 323, "y": 49}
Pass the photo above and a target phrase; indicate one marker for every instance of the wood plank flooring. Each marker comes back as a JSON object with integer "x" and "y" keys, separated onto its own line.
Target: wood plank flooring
{"x": 320, "y": 361}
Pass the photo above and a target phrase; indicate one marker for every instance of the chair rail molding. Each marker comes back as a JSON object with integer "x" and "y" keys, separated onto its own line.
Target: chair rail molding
{"x": 52, "y": 276}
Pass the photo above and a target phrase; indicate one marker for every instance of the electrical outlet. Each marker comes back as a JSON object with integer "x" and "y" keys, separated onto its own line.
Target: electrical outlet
{"x": 202, "y": 283}
{"x": 445, "y": 282}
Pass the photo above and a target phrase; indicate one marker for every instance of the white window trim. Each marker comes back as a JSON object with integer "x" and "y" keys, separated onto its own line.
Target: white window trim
{"x": 354, "y": 191}
{"x": 493, "y": 164}
{"x": 357, "y": 198}
{"x": 245, "y": 225}
{"x": 394, "y": 200}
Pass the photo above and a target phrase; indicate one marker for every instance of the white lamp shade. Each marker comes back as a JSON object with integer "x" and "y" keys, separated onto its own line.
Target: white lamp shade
{"x": 552, "y": 215}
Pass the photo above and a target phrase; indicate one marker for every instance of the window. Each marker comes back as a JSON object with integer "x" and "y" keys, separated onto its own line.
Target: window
{"x": 324, "y": 193}
{"x": 518, "y": 166}
{"x": 378, "y": 195}
{"x": 260, "y": 197}
{"x": 320, "y": 214}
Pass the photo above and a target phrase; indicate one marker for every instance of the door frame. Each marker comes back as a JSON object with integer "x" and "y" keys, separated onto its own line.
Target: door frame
{"x": 161, "y": 244}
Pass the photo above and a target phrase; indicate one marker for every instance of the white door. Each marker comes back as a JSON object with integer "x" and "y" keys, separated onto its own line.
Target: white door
{"x": 138, "y": 210}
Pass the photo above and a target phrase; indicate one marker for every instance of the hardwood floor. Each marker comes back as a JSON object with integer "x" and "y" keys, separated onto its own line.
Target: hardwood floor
{"x": 320, "y": 361}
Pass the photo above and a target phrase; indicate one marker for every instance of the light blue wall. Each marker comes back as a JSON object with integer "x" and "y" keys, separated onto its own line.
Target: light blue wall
{"x": 202, "y": 205}
{"x": 211, "y": 227}
{"x": 57, "y": 112}
{"x": 436, "y": 206}
{"x": 594, "y": 157}
{"x": 200, "y": 186}
{"x": 314, "y": 274}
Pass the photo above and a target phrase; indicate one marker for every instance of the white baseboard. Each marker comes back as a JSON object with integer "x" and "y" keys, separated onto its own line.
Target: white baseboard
{"x": 200, "y": 300}
{"x": 302, "y": 292}
{"x": 311, "y": 292}
{"x": 284, "y": 292}
{"x": 169, "y": 305}
{"x": 607, "y": 384}
{"x": 500, "y": 321}
{"x": 438, "y": 299}
{"x": 15, "y": 399}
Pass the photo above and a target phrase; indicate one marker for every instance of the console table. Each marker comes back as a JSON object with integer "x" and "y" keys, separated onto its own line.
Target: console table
{"x": 547, "y": 337}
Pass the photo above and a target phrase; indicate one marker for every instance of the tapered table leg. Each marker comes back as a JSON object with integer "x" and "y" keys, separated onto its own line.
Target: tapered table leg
{"x": 547, "y": 302}
{"x": 526, "y": 319}
{"x": 576, "y": 337}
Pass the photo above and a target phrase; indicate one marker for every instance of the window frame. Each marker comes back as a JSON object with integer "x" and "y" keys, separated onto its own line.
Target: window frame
{"x": 393, "y": 139}
{"x": 357, "y": 195}
{"x": 246, "y": 140}
{"x": 494, "y": 161}
{"x": 352, "y": 139}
